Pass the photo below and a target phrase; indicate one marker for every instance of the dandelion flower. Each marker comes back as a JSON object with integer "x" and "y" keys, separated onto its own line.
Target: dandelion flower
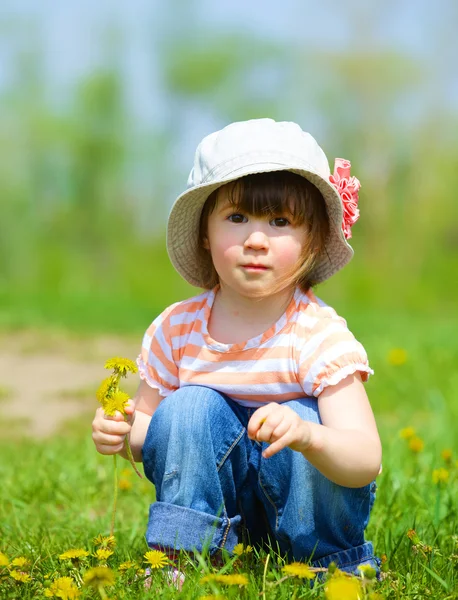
{"x": 125, "y": 566}
{"x": 121, "y": 365}
{"x": 367, "y": 571}
{"x": 447, "y": 455}
{"x": 440, "y": 475}
{"x": 416, "y": 444}
{"x": 20, "y": 576}
{"x": 397, "y": 357}
{"x": 106, "y": 388}
{"x": 116, "y": 402}
{"x": 156, "y": 559}
{"x": 105, "y": 541}
{"x": 74, "y": 554}
{"x": 343, "y": 588}
{"x": 235, "y": 579}
{"x": 21, "y": 562}
{"x": 407, "y": 433}
{"x": 99, "y": 577}
{"x": 124, "y": 484}
{"x": 240, "y": 549}
{"x": 298, "y": 569}
{"x": 4, "y": 562}
{"x": 103, "y": 554}
{"x": 64, "y": 588}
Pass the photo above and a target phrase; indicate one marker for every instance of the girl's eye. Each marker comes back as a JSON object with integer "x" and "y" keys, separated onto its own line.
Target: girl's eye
{"x": 237, "y": 218}
{"x": 280, "y": 222}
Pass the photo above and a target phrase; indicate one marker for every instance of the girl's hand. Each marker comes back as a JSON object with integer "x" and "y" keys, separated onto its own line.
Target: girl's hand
{"x": 108, "y": 433}
{"x": 279, "y": 426}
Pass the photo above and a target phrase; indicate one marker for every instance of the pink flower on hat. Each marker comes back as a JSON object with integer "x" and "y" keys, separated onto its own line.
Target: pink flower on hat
{"x": 347, "y": 188}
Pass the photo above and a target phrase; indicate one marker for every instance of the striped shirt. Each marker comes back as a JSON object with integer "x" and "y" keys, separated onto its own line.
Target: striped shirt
{"x": 306, "y": 350}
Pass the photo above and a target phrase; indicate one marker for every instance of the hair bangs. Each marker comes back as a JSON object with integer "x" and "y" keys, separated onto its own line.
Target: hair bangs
{"x": 274, "y": 194}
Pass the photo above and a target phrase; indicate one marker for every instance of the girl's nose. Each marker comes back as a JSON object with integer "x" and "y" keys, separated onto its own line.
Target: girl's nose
{"x": 257, "y": 240}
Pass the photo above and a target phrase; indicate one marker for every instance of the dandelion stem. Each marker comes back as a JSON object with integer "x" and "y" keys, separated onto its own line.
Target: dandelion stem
{"x": 437, "y": 506}
{"x": 101, "y": 590}
{"x": 130, "y": 456}
{"x": 115, "y": 498}
{"x": 264, "y": 577}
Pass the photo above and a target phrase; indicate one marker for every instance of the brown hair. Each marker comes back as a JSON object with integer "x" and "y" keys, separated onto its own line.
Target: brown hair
{"x": 267, "y": 195}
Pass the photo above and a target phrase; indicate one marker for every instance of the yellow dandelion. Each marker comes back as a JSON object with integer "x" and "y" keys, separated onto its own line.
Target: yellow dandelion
{"x": 124, "y": 484}
{"x": 99, "y": 577}
{"x": 367, "y": 571}
{"x": 103, "y": 554}
{"x": 125, "y": 566}
{"x": 121, "y": 365}
{"x": 125, "y": 472}
{"x": 20, "y": 576}
{"x": 235, "y": 579}
{"x": 407, "y": 433}
{"x": 298, "y": 569}
{"x": 117, "y": 401}
{"x": 240, "y": 549}
{"x": 64, "y": 588}
{"x": 343, "y": 588}
{"x": 4, "y": 562}
{"x": 105, "y": 541}
{"x": 447, "y": 455}
{"x": 397, "y": 357}
{"x": 156, "y": 559}
{"x": 212, "y": 597}
{"x": 21, "y": 562}
{"x": 440, "y": 475}
{"x": 107, "y": 387}
{"x": 416, "y": 444}
{"x": 74, "y": 554}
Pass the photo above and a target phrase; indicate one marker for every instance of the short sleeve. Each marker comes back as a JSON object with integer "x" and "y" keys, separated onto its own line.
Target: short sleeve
{"x": 156, "y": 364}
{"x": 330, "y": 354}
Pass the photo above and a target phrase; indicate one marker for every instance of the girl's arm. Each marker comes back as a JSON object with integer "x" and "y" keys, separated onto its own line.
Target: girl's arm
{"x": 346, "y": 448}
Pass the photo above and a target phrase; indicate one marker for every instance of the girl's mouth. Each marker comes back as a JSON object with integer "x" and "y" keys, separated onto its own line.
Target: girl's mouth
{"x": 255, "y": 267}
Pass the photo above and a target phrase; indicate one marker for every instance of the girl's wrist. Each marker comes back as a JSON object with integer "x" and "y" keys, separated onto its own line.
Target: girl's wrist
{"x": 314, "y": 438}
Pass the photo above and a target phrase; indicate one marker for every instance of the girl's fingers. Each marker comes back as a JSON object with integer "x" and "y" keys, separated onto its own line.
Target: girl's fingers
{"x": 259, "y": 418}
{"x": 278, "y": 445}
{"x": 110, "y": 440}
{"x": 107, "y": 449}
{"x": 269, "y": 427}
{"x": 130, "y": 407}
{"x": 116, "y": 417}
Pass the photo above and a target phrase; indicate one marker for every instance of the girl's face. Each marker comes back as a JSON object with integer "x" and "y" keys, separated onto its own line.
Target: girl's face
{"x": 251, "y": 253}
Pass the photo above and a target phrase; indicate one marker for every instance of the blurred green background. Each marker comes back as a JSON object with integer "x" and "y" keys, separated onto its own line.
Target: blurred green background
{"x": 102, "y": 108}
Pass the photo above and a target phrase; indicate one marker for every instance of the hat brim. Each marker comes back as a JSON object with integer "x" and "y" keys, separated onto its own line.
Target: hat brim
{"x": 184, "y": 222}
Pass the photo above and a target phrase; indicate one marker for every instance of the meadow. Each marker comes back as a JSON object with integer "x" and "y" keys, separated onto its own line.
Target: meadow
{"x": 56, "y": 497}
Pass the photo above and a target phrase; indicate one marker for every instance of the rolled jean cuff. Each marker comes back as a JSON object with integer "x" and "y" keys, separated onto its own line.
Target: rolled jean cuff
{"x": 187, "y": 529}
{"x": 349, "y": 560}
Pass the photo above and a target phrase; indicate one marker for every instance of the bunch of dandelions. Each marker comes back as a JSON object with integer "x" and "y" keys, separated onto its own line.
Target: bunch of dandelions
{"x": 112, "y": 400}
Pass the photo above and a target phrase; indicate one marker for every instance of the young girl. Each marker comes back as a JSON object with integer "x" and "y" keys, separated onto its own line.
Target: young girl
{"x": 251, "y": 417}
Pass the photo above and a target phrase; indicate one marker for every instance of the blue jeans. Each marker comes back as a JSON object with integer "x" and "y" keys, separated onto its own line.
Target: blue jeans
{"x": 213, "y": 486}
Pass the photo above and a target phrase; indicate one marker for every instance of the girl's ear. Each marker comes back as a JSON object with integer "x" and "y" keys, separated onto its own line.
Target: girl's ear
{"x": 205, "y": 243}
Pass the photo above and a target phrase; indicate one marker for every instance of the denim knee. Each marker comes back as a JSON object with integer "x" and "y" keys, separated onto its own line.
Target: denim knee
{"x": 193, "y": 421}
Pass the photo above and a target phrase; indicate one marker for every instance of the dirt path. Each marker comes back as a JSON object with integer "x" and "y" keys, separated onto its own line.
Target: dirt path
{"x": 48, "y": 378}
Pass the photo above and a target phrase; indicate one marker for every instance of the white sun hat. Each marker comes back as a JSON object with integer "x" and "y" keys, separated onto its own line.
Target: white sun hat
{"x": 245, "y": 148}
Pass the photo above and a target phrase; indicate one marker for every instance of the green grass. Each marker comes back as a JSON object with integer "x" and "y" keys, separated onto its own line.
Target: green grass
{"x": 57, "y": 494}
